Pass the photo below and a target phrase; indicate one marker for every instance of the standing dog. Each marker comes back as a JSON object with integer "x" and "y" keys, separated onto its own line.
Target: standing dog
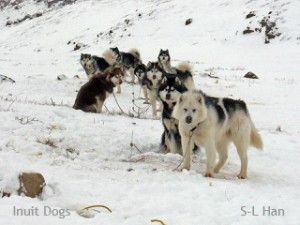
{"x": 140, "y": 71}
{"x": 92, "y": 95}
{"x": 183, "y": 70}
{"x": 92, "y": 64}
{"x": 213, "y": 123}
{"x": 154, "y": 76}
{"x": 170, "y": 89}
{"x": 129, "y": 60}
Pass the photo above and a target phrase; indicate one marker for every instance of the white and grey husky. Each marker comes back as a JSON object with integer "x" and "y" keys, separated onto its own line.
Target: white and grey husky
{"x": 213, "y": 123}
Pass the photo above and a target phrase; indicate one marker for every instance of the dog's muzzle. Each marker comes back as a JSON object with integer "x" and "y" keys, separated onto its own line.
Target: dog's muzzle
{"x": 188, "y": 119}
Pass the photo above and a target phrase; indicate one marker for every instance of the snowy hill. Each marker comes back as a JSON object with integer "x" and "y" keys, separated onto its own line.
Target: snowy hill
{"x": 87, "y": 159}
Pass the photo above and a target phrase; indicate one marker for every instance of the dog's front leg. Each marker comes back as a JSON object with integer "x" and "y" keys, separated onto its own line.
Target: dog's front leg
{"x": 186, "y": 151}
{"x": 131, "y": 71}
{"x": 118, "y": 88}
{"x": 210, "y": 150}
{"x": 153, "y": 103}
{"x": 145, "y": 92}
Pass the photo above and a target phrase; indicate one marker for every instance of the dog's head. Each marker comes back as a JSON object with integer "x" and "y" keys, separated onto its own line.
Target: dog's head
{"x": 190, "y": 108}
{"x": 154, "y": 73}
{"x": 164, "y": 56}
{"x": 86, "y": 60}
{"x": 117, "y": 55}
{"x": 140, "y": 71}
{"x": 115, "y": 75}
{"x": 170, "y": 89}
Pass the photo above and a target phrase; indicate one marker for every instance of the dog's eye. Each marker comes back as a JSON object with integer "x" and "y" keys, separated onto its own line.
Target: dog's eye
{"x": 185, "y": 110}
{"x": 194, "y": 110}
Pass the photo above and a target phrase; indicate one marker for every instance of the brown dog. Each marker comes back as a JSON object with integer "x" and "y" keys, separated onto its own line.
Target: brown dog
{"x": 92, "y": 95}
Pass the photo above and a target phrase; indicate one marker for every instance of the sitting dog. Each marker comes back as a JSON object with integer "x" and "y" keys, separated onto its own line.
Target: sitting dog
{"x": 129, "y": 60}
{"x": 92, "y": 95}
{"x": 213, "y": 123}
{"x": 171, "y": 87}
{"x": 140, "y": 71}
{"x": 164, "y": 61}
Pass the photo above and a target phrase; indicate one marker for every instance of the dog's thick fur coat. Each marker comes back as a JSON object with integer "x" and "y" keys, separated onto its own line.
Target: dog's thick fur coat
{"x": 92, "y": 95}
{"x": 213, "y": 123}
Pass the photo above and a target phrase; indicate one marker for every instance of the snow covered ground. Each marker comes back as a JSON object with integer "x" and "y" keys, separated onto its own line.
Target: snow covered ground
{"x": 87, "y": 159}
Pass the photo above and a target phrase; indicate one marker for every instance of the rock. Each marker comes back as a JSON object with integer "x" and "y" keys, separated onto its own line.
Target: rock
{"x": 5, "y": 194}
{"x": 251, "y": 75}
{"x": 188, "y": 21}
{"x": 250, "y": 14}
{"x": 38, "y": 14}
{"x": 62, "y": 77}
{"x": 9, "y": 22}
{"x": 31, "y": 184}
{"x": 248, "y": 31}
{"x": 78, "y": 46}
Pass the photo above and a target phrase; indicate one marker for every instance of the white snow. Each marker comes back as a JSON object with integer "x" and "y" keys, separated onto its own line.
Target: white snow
{"x": 92, "y": 161}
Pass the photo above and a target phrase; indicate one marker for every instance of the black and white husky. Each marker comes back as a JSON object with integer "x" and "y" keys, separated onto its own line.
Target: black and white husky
{"x": 213, "y": 123}
{"x": 129, "y": 60}
{"x": 92, "y": 64}
{"x": 164, "y": 60}
{"x": 154, "y": 76}
{"x": 140, "y": 71}
{"x": 170, "y": 89}
{"x": 183, "y": 70}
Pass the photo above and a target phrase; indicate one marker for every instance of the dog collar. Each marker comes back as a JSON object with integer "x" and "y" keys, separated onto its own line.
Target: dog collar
{"x": 193, "y": 129}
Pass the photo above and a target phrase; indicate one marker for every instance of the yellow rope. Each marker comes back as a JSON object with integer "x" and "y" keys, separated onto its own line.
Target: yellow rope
{"x": 97, "y": 206}
{"x": 159, "y": 221}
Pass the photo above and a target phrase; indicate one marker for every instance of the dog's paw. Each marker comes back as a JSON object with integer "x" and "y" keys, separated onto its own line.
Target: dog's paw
{"x": 216, "y": 170}
{"x": 209, "y": 174}
{"x": 240, "y": 176}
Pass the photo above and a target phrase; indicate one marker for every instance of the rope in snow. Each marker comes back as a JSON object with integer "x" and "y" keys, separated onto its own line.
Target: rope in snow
{"x": 159, "y": 221}
{"x": 84, "y": 213}
{"x": 97, "y": 206}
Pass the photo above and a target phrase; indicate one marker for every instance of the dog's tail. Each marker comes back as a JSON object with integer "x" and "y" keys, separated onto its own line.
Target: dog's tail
{"x": 185, "y": 67}
{"x": 108, "y": 55}
{"x": 255, "y": 138}
{"x": 135, "y": 52}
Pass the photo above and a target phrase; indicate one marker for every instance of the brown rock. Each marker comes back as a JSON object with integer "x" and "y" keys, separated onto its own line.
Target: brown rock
{"x": 251, "y": 75}
{"x": 188, "y": 21}
{"x": 31, "y": 184}
{"x": 248, "y": 31}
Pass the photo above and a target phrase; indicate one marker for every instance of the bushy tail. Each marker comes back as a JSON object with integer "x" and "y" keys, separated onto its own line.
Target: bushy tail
{"x": 109, "y": 57}
{"x": 185, "y": 67}
{"x": 255, "y": 138}
{"x": 135, "y": 52}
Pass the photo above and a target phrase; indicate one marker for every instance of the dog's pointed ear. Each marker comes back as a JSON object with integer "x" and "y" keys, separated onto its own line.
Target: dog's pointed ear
{"x": 178, "y": 81}
{"x": 199, "y": 98}
{"x": 149, "y": 64}
{"x": 164, "y": 80}
{"x": 160, "y": 51}
{"x": 167, "y": 51}
{"x": 180, "y": 98}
